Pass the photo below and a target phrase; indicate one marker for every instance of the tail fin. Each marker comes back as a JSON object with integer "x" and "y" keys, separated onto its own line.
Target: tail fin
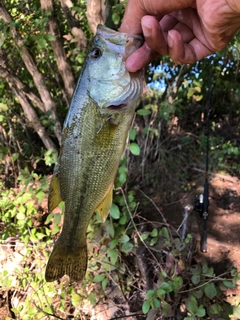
{"x": 66, "y": 260}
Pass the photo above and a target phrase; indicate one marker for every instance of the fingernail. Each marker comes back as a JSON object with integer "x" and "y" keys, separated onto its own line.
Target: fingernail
{"x": 147, "y": 29}
{"x": 170, "y": 39}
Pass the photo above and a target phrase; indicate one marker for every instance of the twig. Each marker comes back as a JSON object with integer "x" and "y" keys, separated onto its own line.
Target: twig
{"x": 218, "y": 278}
{"x": 165, "y": 221}
{"x": 131, "y": 216}
{"x": 47, "y": 313}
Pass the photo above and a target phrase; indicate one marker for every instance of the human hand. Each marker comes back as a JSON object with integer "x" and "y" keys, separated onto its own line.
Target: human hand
{"x": 186, "y": 30}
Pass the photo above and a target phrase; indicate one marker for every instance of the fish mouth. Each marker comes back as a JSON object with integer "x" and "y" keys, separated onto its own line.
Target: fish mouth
{"x": 118, "y": 107}
{"x": 121, "y": 41}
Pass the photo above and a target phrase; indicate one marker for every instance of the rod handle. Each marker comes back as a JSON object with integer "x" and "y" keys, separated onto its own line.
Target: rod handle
{"x": 203, "y": 244}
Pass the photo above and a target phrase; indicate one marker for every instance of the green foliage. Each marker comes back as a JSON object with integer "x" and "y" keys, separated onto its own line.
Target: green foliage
{"x": 195, "y": 288}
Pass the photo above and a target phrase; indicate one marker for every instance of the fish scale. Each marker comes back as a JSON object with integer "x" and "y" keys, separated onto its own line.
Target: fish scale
{"x": 93, "y": 141}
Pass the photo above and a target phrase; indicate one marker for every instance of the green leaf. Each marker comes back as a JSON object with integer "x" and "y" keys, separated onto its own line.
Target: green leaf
{"x": 113, "y": 243}
{"x": 167, "y": 286}
{"x": 132, "y": 134}
{"x": 104, "y": 284}
{"x": 55, "y": 229}
{"x": 143, "y": 112}
{"x": 123, "y": 220}
{"x": 198, "y": 294}
{"x": 40, "y": 235}
{"x": 113, "y": 255}
{"x": 49, "y": 218}
{"x": 210, "y": 290}
{"x": 192, "y": 305}
{"x": 154, "y": 232}
{"x": 122, "y": 178}
{"x": 76, "y": 299}
{"x": 25, "y": 197}
{"x": 145, "y": 307}
{"x": 156, "y": 303}
{"x": 99, "y": 278}
{"x": 3, "y": 107}
{"x": 195, "y": 278}
{"x": 160, "y": 292}
{"x": 42, "y": 42}
{"x": 153, "y": 241}
{"x": 123, "y": 169}
{"x": 114, "y": 211}
{"x": 40, "y": 195}
{"x": 51, "y": 37}
{"x": 145, "y": 235}
{"x": 124, "y": 239}
{"x": 110, "y": 229}
{"x": 150, "y": 294}
{"x": 116, "y": 18}
{"x": 92, "y": 298}
{"x": 229, "y": 284}
{"x": 21, "y": 216}
{"x": 134, "y": 148}
{"x": 215, "y": 308}
{"x": 164, "y": 232}
{"x": 236, "y": 312}
{"x": 177, "y": 283}
{"x": 201, "y": 312}
{"x": 15, "y": 156}
{"x": 57, "y": 219}
{"x": 127, "y": 247}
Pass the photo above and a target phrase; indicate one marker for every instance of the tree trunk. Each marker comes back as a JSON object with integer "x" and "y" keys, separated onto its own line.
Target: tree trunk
{"x": 97, "y": 12}
{"x": 37, "y": 76}
{"x": 33, "y": 119}
{"x": 59, "y": 53}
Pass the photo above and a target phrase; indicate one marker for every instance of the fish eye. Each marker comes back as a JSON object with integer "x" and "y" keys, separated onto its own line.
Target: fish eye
{"x": 96, "y": 53}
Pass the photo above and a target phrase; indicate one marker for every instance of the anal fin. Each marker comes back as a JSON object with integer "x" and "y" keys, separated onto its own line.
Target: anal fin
{"x": 104, "y": 207}
{"x": 54, "y": 197}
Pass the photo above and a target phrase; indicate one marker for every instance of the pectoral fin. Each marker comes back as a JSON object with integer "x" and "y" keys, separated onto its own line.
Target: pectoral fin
{"x": 104, "y": 207}
{"x": 54, "y": 197}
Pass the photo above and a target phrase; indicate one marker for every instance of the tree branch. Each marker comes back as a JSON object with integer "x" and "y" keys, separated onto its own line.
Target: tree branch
{"x": 14, "y": 80}
{"x": 59, "y": 53}
{"x": 33, "y": 120}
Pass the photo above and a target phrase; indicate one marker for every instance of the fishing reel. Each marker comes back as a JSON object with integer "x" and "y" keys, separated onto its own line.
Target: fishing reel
{"x": 198, "y": 204}
{"x": 201, "y": 205}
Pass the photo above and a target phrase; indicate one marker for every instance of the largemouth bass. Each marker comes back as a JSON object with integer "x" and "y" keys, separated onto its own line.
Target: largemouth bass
{"x": 93, "y": 141}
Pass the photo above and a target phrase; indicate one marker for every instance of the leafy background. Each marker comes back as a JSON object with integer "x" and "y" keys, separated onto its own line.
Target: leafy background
{"x": 140, "y": 267}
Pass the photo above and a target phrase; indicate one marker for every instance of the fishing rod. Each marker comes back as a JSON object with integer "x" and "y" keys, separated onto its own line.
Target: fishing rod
{"x": 203, "y": 243}
{"x": 202, "y": 201}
